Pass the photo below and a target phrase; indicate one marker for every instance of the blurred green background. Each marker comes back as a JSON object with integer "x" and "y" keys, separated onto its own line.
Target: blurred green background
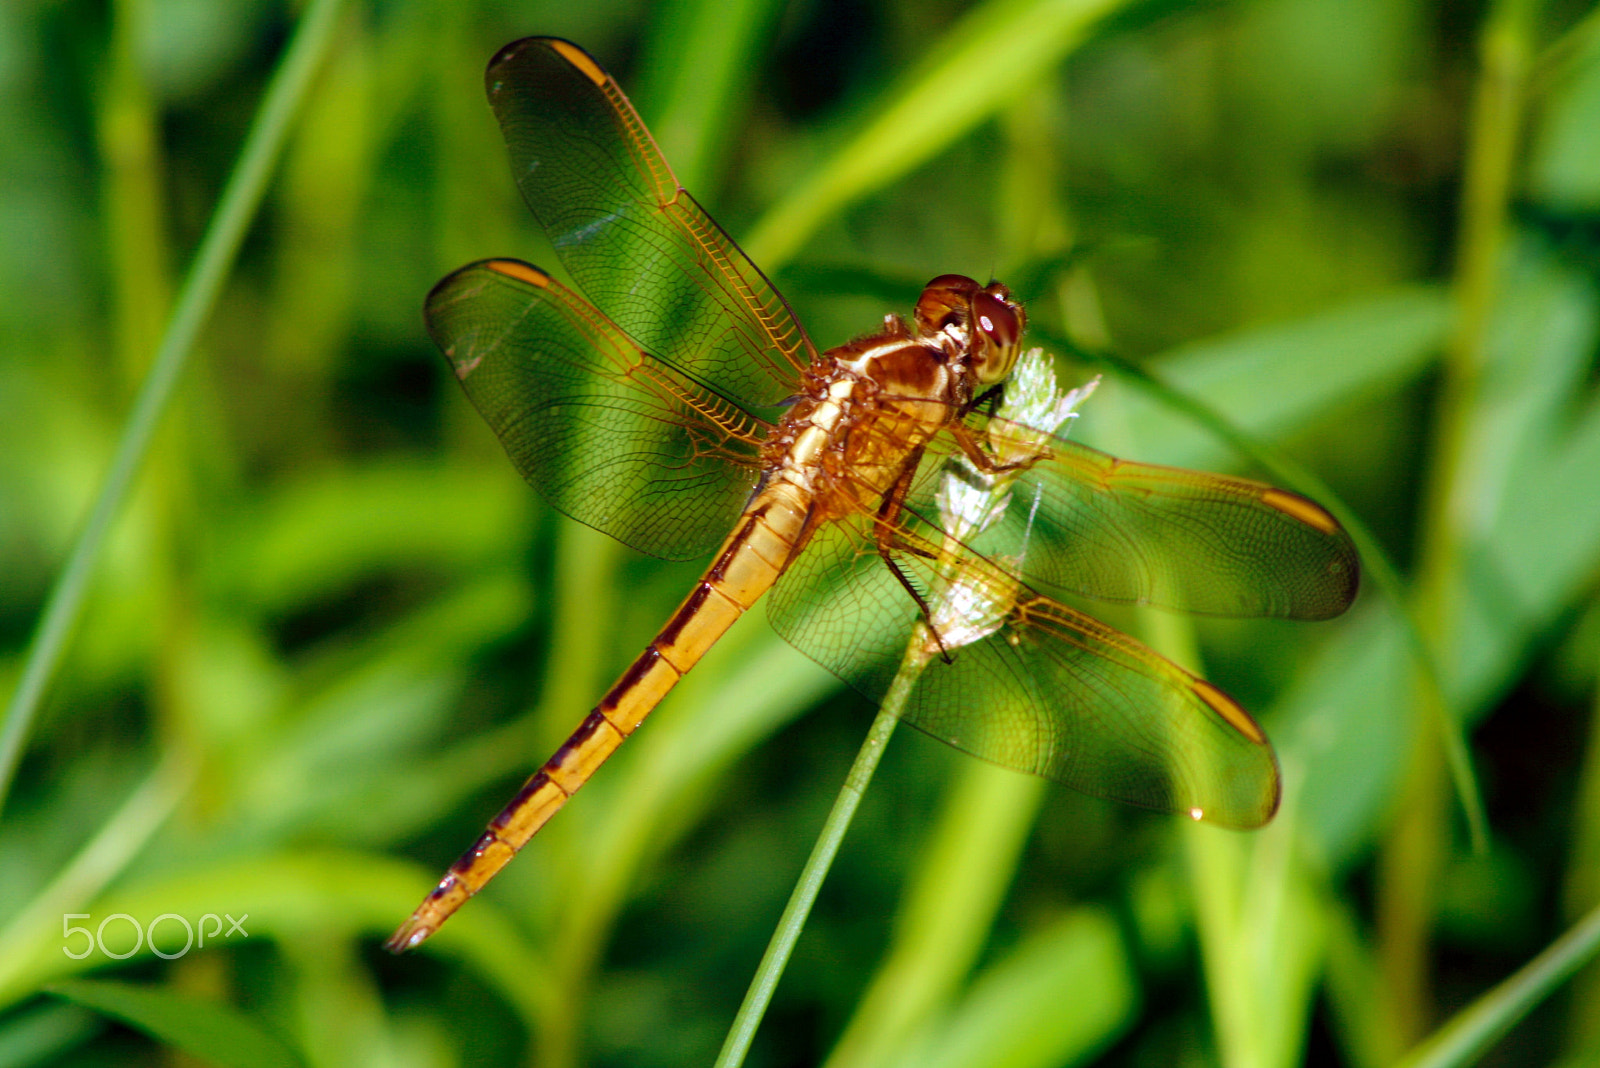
{"x": 331, "y": 631}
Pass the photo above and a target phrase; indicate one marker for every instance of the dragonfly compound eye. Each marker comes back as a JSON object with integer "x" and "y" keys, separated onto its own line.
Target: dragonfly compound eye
{"x": 998, "y": 322}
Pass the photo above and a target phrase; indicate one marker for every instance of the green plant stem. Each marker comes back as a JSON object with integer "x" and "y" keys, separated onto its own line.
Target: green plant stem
{"x": 804, "y": 895}
{"x": 93, "y": 867}
{"x": 947, "y": 910}
{"x": 211, "y": 265}
{"x": 1472, "y": 1030}
{"x": 128, "y": 129}
{"x": 1414, "y": 854}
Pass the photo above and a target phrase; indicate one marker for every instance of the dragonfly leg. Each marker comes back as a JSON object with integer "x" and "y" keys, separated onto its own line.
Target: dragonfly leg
{"x": 887, "y": 523}
{"x": 981, "y": 458}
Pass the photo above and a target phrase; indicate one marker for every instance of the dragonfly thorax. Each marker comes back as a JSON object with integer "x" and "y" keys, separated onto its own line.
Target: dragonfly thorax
{"x": 871, "y": 404}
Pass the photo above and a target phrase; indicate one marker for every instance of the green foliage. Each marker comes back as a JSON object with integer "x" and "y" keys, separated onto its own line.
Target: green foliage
{"x": 216, "y": 1033}
{"x": 327, "y": 631}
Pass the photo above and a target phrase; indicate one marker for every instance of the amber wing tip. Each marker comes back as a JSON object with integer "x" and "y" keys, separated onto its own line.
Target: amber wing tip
{"x": 521, "y": 44}
{"x": 579, "y": 59}
{"x": 411, "y": 934}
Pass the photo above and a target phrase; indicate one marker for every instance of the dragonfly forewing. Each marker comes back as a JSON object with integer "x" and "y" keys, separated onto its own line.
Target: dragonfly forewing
{"x": 622, "y": 226}
{"x": 1137, "y": 533}
{"x": 607, "y": 433}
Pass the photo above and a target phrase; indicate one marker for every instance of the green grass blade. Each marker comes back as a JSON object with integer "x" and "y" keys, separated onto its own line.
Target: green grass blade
{"x": 1471, "y": 1031}
{"x": 100, "y": 860}
{"x": 1057, "y": 998}
{"x": 947, "y": 910}
{"x": 290, "y": 895}
{"x": 215, "y": 1033}
{"x": 1360, "y": 348}
{"x": 212, "y": 262}
{"x": 793, "y": 920}
{"x": 997, "y": 51}
{"x": 37, "y": 1035}
{"x": 698, "y": 68}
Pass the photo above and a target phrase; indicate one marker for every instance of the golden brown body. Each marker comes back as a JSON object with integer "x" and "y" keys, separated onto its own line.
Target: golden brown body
{"x": 854, "y": 436}
{"x": 635, "y": 408}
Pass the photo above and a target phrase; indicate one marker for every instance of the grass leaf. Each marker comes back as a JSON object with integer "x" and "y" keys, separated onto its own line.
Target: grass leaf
{"x": 209, "y": 1030}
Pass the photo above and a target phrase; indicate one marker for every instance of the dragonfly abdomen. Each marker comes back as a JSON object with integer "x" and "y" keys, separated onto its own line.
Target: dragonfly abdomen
{"x": 745, "y": 568}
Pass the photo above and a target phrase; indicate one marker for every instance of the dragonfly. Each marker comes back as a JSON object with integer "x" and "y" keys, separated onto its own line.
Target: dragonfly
{"x": 679, "y": 406}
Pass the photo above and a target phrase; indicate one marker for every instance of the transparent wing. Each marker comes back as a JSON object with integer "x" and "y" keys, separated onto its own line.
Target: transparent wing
{"x": 607, "y": 433}
{"x": 637, "y": 244}
{"x": 1090, "y": 524}
{"x": 1033, "y": 685}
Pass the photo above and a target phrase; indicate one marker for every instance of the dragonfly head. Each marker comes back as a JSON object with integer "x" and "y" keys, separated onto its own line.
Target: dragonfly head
{"x": 982, "y": 322}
